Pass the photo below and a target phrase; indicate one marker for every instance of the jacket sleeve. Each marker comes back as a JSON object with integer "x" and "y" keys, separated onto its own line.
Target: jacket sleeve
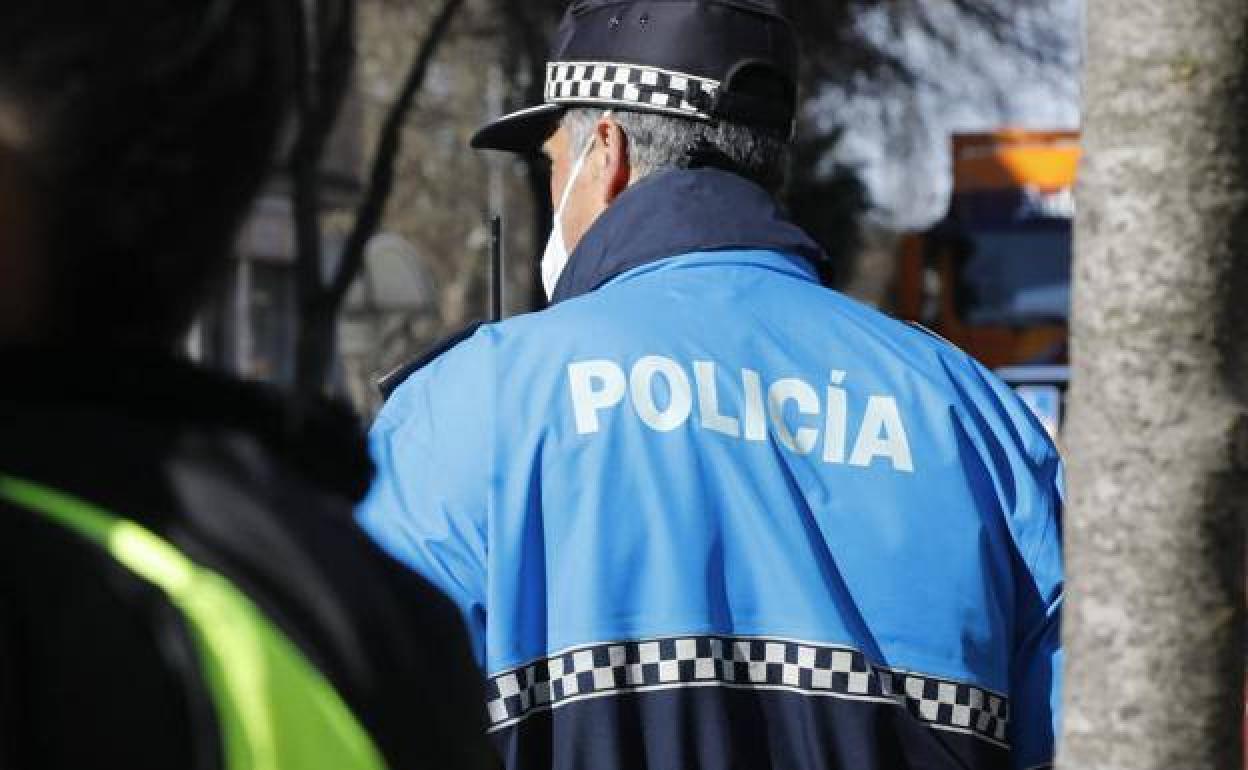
{"x": 1029, "y": 485}
{"x": 1037, "y": 662}
{"x": 428, "y": 506}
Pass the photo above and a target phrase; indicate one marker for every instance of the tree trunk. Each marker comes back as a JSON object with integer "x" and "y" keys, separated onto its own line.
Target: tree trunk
{"x": 320, "y": 304}
{"x": 315, "y": 347}
{"x": 1157, "y": 440}
{"x": 527, "y": 38}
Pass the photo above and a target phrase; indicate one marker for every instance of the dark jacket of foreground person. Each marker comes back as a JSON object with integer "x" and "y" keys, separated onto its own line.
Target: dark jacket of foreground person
{"x": 100, "y": 669}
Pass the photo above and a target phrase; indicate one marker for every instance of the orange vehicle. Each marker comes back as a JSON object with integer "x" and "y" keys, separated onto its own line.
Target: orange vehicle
{"x": 993, "y": 277}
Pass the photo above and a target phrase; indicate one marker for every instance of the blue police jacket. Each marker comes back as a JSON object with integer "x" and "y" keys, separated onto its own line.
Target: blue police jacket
{"x": 705, "y": 513}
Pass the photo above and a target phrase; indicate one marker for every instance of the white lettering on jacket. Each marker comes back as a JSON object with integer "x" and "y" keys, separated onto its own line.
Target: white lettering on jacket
{"x": 663, "y": 395}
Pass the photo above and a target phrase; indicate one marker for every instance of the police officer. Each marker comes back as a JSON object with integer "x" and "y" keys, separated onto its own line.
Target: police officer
{"x": 703, "y": 512}
{"x": 183, "y": 583}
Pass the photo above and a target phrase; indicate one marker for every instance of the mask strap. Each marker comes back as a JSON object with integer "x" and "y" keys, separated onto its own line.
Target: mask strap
{"x": 577, "y": 167}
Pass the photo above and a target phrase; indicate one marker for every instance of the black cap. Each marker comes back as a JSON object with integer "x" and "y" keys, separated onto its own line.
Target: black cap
{"x": 703, "y": 60}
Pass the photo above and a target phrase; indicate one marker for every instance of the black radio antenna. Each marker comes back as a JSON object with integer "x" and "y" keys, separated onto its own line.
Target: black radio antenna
{"x": 496, "y": 269}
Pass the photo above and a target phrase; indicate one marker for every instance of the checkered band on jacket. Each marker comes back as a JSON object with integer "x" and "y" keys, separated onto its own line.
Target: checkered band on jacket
{"x": 743, "y": 663}
{"x": 630, "y": 86}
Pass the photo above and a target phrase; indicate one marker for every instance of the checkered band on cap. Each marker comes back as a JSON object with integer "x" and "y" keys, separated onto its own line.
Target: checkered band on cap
{"x": 801, "y": 668}
{"x": 630, "y": 86}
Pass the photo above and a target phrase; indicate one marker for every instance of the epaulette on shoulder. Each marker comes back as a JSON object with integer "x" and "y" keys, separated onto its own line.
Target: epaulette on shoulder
{"x": 388, "y": 384}
{"x": 929, "y": 332}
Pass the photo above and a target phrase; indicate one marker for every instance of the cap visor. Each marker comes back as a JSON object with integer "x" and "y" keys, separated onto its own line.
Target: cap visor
{"x": 522, "y": 131}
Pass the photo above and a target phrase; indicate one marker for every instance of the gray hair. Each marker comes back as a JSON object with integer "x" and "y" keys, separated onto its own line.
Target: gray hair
{"x": 662, "y": 142}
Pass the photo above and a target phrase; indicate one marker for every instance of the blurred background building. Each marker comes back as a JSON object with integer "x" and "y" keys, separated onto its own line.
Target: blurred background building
{"x": 888, "y": 84}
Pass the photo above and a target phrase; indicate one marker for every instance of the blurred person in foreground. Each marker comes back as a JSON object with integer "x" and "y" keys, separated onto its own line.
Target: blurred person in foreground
{"x": 702, "y": 512}
{"x": 183, "y": 583}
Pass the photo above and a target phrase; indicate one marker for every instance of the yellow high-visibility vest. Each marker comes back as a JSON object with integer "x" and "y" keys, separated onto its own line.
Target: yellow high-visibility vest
{"x": 275, "y": 709}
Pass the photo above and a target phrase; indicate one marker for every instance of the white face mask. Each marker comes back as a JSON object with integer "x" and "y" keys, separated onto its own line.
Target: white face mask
{"x": 555, "y": 260}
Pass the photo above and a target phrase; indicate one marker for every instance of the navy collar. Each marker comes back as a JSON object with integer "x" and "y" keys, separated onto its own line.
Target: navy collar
{"x": 680, "y": 212}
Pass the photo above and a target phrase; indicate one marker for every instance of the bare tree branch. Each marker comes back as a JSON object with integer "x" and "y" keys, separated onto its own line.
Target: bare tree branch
{"x": 381, "y": 181}
{"x": 326, "y": 47}
{"x": 305, "y": 158}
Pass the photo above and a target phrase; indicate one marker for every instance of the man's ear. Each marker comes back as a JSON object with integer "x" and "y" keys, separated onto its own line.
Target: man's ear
{"x": 615, "y": 169}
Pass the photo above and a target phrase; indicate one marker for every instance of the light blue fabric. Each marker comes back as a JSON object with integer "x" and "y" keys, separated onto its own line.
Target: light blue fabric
{"x": 931, "y": 542}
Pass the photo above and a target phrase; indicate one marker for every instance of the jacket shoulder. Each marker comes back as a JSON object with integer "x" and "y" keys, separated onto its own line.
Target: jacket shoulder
{"x": 391, "y": 382}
